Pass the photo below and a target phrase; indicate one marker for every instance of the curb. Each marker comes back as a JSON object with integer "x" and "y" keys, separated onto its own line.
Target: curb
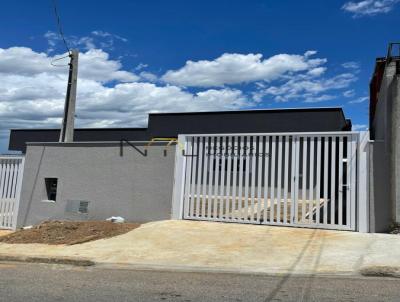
{"x": 218, "y": 270}
{"x": 368, "y": 271}
{"x": 48, "y": 260}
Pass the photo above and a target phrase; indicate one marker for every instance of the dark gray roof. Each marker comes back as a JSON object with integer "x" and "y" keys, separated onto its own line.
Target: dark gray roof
{"x": 172, "y": 124}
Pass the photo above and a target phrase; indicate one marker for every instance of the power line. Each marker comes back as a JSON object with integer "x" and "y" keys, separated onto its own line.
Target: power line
{"x": 60, "y": 31}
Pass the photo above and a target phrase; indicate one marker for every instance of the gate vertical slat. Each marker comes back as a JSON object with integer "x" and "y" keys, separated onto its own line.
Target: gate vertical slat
{"x": 193, "y": 178}
{"x": 295, "y": 181}
{"x": 340, "y": 179}
{"x": 259, "y": 156}
{"x": 348, "y": 180}
{"x": 236, "y": 155}
{"x": 12, "y": 194}
{"x": 311, "y": 185}
{"x": 204, "y": 180}
{"x": 333, "y": 179}
{"x": 14, "y": 179}
{"x": 2, "y": 176}
{"x": 199, "y": 178}
{"x": 311, "y": 182}
{"x": 222, "y": 186}
{"x": 5, "y": 192}
{"x": 211, "y": 179}
{"x": 228, "y": 153}
{"x": 318, "y": 184}
{"x": 13, "y": 191}
{"x": 353, "y": 173}
{"x": 279, "y": 181}
{"x": 6, "y": 198}
{"x": 2, "y": 196}
{"x": 272, "y": 197}
{"x": 253, "y": 176}
{"x": 326, "y": 167}
{"x": 240, "y": 188}
{"x": 285, "y": 180}
{"x": 304, "y": 179}
{"x": 216, "y": 178}
{"x": 246, "y": 180}
{"x": 9, "y": 179}
{"x": 266, "y": 178}
{"x": 188, "y": 150}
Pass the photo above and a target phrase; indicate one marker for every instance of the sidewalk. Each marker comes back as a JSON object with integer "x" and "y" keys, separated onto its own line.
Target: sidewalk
{"x": 190, "y": 245}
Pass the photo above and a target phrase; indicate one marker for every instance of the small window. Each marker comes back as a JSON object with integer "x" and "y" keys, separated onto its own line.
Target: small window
{"x": 77, "y": 206}
{"x": 51, "y": 188}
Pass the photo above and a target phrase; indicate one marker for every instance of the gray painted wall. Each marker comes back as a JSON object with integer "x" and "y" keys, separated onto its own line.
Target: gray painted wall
{"x": 135, "y": 187}
{"x": 385, "y": 154}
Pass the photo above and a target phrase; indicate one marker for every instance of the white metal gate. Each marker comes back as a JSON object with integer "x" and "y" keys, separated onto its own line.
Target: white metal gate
{"x": 11, "y": 170}
{"x": 296, "y": 179}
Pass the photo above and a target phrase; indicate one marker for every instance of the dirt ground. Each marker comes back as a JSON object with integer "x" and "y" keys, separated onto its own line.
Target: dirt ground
{"x": 5, "y": 232}
{"x": 68, "y": 232}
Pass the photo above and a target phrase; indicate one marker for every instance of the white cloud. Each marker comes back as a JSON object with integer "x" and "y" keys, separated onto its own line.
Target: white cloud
{"x": 316, "y": 72}
{"x": 128, "y": 103}
{"x": 94, "y": 64}
{"x": 349, "y": 93}
{"x": 351, "y": 65}
{"x": 359, "y": 127}
{"x": 96, "y": 39}
{"x": 148, "y": 76}
{"x": 141, "y": 66}
{"x": 318, "y": 98}
{"x": 359, "y": 100}
{"x": 310, "y": 53}
{"x": 230, "y": 69}
{"x": 32, "y": 93}
{"x": 307, "y": 88}
{"x": 369, "y": 7}
{"x": 105, "y": 34}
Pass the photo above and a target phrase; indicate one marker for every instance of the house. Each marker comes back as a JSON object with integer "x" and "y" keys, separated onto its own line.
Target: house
{"x": 384, "y": 124}
{"x": 96, "y": 176}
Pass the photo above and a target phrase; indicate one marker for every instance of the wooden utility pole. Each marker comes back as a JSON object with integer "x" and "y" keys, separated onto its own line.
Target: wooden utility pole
{"x": 67, "y": 128}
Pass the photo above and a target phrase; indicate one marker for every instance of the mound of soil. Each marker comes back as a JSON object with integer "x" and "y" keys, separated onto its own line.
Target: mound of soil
{"x": 68, "y": 232}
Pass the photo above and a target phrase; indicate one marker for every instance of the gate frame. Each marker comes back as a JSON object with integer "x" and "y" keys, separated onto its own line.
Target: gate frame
{"x": 359, "y": 217}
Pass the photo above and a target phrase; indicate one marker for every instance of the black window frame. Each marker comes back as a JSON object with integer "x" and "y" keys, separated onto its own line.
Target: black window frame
{"x": 51, "y": 186}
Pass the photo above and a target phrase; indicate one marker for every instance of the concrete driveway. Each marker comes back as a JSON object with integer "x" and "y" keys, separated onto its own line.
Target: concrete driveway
{"x": 193, "y": 245}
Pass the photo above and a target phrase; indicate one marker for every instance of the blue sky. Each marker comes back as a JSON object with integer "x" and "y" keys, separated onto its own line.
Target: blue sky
{"x": 142, "y": 56}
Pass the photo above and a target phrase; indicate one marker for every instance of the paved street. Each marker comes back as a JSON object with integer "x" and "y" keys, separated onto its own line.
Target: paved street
{"x": 37, "y": 282}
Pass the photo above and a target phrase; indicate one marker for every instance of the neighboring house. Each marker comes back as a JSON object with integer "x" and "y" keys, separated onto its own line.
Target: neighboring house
{"x": 385, "y": 135}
